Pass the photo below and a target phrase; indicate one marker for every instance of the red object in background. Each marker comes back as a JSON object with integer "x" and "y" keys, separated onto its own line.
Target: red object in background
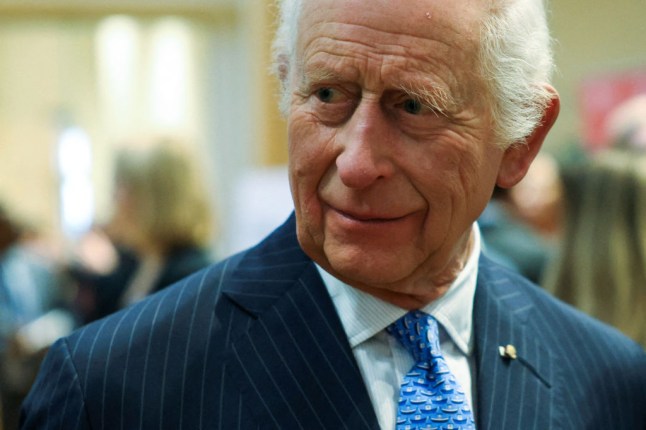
{"x": 599, "y": 96}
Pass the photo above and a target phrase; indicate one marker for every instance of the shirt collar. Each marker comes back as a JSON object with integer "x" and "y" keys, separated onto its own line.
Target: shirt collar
{"x": 364, "y": 315}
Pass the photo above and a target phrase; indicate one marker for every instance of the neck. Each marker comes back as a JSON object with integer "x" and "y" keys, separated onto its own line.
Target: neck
{"x": 418, "y": 293}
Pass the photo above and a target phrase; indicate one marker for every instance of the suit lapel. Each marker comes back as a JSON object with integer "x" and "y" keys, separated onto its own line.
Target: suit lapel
{"x": 512, "y": 393}
{"x": 294, "y": 354}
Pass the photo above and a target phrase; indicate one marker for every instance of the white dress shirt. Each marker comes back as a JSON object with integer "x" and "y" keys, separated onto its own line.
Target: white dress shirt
{"x": 382, "y": 360}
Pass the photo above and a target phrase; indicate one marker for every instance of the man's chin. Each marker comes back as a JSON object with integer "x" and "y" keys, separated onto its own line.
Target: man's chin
{"x": 363, "y": 271}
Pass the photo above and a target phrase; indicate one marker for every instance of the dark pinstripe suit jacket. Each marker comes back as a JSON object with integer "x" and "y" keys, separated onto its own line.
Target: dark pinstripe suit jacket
{"x": 254, "y": 343}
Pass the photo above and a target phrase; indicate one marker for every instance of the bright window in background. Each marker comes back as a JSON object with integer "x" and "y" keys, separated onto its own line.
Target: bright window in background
{"x": 74, "y": 156}
{"x": 145, "y": 75}
{"x": 118, "y": 51}
{"x": 170, "y": 65}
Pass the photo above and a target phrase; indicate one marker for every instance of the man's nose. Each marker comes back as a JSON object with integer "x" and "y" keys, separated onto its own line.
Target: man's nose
{"x": 366, "y": 142}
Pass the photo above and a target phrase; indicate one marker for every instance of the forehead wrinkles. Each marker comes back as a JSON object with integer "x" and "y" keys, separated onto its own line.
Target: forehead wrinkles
{"x": 356, "y": 39}
{"x": 377, "y": 59}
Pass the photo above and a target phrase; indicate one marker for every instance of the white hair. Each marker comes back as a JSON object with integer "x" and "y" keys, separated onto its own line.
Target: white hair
{"x": 515, "y": 62}
{"x": 284, "y": 47}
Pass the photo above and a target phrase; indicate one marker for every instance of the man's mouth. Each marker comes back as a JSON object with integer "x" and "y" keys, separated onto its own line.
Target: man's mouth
{"x": 368, "y": 217}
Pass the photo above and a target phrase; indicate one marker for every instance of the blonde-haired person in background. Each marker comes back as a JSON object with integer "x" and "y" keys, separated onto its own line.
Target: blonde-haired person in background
{"x": 601, "y": 267}
{"x": 161, "y": 228}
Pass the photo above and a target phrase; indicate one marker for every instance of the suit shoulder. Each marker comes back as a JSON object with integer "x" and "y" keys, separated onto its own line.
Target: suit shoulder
{"x": 154, "y": 347}
{"x": 179, "y": 307}
{"x": 583, "y": 331}
{"x": 565, "y": 323}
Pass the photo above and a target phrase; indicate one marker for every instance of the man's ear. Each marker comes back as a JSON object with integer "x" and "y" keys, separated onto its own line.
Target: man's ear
{"x": 518, "y": 157}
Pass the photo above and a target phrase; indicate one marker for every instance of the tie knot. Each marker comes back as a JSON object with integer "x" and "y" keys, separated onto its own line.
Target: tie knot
{"x": 418, "y": 333}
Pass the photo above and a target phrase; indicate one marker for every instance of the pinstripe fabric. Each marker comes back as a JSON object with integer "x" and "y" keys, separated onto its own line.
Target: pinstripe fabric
{"x": 572, "y": 372}
{"x": 255, "y": 343}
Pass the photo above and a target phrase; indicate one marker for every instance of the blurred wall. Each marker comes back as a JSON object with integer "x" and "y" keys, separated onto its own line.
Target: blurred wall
{"x": 52, "y": 78}
{"x": 43, "y": 70}
{"x": 592, "y": 38}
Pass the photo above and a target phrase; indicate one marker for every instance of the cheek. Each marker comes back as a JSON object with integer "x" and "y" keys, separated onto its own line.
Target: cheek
{"x": 478, "y": 177}
{"x": 455, "y": 182}
{"x": 309, "y": 159}
{"x": 309, "y": 147}
{"x": 438, "y": 172}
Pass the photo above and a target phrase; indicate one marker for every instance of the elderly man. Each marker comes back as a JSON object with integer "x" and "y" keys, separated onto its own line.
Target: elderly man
{"x": 371, "y": 307}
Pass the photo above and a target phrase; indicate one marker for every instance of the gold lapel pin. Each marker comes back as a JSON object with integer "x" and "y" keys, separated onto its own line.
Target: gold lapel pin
{"x": 508, "y": 351}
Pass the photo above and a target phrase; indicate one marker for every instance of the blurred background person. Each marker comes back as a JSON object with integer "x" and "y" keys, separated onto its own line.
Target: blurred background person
{"x": 626, "y": 124}
{"x": 601, "y": 268}
{"x": 520, "y": 225}
{"x": 33, "y": 310}
{"x": 537, "y": 199}
{"x": 160, "y": 230}
{"x": 509, "y": 240}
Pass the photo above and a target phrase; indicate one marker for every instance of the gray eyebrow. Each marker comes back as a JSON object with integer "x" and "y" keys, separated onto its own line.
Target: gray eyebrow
{"x": 317, "y": 75}
{"x": 431, "y": 96}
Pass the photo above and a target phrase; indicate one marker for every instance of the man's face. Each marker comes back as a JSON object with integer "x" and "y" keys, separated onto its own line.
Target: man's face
{"x": 391, "y": 145}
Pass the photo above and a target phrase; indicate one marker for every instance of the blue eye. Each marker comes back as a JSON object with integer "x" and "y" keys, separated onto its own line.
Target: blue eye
{"x": 412, "y": 106}
{"x": 325, "y": 94}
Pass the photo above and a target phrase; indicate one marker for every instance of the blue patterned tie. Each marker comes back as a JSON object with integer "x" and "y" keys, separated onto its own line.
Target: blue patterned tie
{"x": 430, "y": 396}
